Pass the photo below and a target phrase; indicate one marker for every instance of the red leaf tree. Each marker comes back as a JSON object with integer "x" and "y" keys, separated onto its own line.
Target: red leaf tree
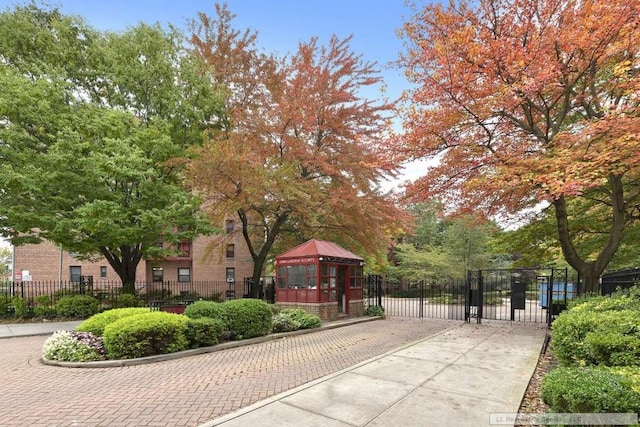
{"x": 298, "y": 154}
{"x": 528, "y": 101}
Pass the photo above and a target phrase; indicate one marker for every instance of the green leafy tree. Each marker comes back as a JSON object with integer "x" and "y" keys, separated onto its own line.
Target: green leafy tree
{"x": 90, "y": 126}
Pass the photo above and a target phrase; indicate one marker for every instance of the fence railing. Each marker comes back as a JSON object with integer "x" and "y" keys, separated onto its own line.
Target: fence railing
{"x": 108, "y": 293}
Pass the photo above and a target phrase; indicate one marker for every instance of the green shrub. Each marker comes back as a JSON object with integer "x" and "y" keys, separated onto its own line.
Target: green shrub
{"x": 5, "y": 306}
{"x": 77, "y": 306}
{"x": 21, "y": 307}
{"x": 292, "y": 319}
{"x": 146, "y": 334}
{"x": 617, "y": 346}
{"x": 204, "y": 332}
{"x": 306, "y": 320}
{"x": 284, "y": 323}
{"x": 247, "y": 318}
{"x": 71, "y": 346}
{"x": 96, "y": 323}
{"x": 592, "y": 390}
{"x": 375, "y": 310}
{"x": 44, "y": 307}
{"x": 127, "y": 300}
{"x": 214, "y": 310}
{"x": 572, "y": 327}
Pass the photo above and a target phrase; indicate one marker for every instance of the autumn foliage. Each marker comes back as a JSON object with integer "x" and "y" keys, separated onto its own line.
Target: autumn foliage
{"x": 298, "y": 154}
{"x": 528, "y": 101}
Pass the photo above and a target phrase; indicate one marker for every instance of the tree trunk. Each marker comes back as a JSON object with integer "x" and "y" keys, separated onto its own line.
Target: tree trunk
{"x": 125, "y": 265}
{"x": 590, "y": 271}
{"x": 260, "y": 257}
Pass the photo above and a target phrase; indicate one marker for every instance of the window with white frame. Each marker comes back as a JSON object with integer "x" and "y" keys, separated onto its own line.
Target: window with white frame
{"x": 184, "y": 274}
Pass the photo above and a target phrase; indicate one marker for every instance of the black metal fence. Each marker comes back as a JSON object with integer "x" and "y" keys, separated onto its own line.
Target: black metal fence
{"x": 110, "y": 293}
{"x": 522, "y": 295}
{"x": 421, "y": 299}
{"x": 623, "y": 279}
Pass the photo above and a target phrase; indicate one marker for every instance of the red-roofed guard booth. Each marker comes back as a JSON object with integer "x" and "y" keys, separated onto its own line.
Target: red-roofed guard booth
{"x": 321, "y": 278}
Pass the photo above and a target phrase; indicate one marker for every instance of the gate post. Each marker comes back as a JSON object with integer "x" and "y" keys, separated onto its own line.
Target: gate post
{"x": 421, "y": 299}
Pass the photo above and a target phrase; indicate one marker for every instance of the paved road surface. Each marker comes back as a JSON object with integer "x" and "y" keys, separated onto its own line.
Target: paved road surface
{"x": 188, "y": 391}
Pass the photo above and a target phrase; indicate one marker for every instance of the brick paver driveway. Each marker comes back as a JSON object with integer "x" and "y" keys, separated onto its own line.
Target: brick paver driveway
{"x": 187, "y": 391}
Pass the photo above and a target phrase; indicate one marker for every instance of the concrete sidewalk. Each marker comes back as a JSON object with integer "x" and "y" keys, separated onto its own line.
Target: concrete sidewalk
{"x": 33, "y": 329}
{"x": 459, "y": 377}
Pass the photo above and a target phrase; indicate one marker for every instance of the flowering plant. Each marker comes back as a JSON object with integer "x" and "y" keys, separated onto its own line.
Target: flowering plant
{"x": 73, "y": 346}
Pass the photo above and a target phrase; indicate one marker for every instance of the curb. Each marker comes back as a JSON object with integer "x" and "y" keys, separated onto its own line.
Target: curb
{"x": 203, "y": 350}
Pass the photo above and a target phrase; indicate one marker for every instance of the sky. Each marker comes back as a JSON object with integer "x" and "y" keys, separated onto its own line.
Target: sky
{"x": 280, "y": 24}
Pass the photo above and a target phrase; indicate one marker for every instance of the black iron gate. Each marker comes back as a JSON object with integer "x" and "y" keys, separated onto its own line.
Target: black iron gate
{"x": 534, "y": 295}
{"x": 522, "y": 295}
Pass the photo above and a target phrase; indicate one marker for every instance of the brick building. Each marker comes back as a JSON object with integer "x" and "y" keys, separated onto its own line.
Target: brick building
{"x": 217, "y": 258}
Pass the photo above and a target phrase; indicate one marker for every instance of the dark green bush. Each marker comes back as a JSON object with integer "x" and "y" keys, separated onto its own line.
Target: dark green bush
{"x": 5, "y": 306}
{"x": 146, "y": 334}
{"x": 77, "y": 306}
{"x": 96, "y": 323}
{"x": 248, "y": 318}
{"x": 374, "y": 310}
{"x": 573, "y": 326}
{"x": 214, "y": 310}
{"x": 21, "y": 308}
{"x": 205, "y": 332}
{"x": 592, "y": 390}
{"x": 44, "y": 307}
{"x": 127, "y": 300}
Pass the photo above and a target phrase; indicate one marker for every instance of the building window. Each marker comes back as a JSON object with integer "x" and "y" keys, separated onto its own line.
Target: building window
{"x": 231, "y": 224}
{"x": 184, "y": 274}
{"x": 75, "y": 273}
{"x": 184, "y": 249}
{"x": 231, "y": 250}
{"x": 231, "y": 274}
{"x": 157, "y": 273}
{"x": 103, "y": 272}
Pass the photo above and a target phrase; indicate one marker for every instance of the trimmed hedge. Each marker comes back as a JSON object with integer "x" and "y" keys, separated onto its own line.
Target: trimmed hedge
{"x": 582, "y": 337}
{"x": 77, "y": 306}
{"x": 592, "y": 390}
{"x": 248, "y": 318}
{"x": 146, "y": 334}
{"x": 205, "y": 332}
{"x": 96, "y": 323}
{"x": 214, "y": 310}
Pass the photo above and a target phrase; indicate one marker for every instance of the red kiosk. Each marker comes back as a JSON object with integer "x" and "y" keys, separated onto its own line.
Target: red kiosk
{"x": 321, "y": 278}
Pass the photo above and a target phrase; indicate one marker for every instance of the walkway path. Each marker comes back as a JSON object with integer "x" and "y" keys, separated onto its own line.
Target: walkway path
{"x": 194, "y": 390}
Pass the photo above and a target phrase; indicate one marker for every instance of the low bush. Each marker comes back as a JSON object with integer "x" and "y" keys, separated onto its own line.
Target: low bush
{"x": 247, "y": 318}
{"x": 96, "y": 323}
{"x": 21, "y": 308}
{"x": 292, "y": 319}
{"x": 374, "y": 310}
{"x": 205, "y": 332}
{"x": 211, "y": 309}
{"x": 77, "y": 306}
{"x": 572, "y": 327}
{"x": 6, "y": 309}
{"x": 72, "y": 346}
{"x": 127, "y": 300}
{"x": 284, "y": 324}
{"x": 618, "y": 345}
{"x": 146, "y": 334}
{"x": 592, "y": 390}
{"x": 44, "y": 307}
